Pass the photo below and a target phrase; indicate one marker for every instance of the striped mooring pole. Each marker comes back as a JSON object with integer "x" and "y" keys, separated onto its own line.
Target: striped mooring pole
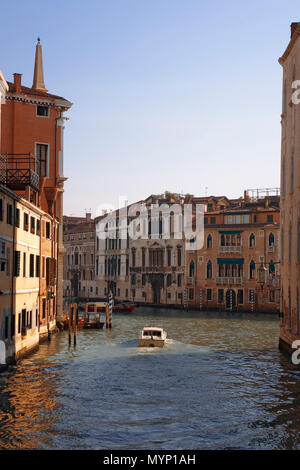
{"x": 200, "y": 299}
{"x": 110, "y": 306}
{"x": 185, "y": 301}
{"x": 252, "y": 300}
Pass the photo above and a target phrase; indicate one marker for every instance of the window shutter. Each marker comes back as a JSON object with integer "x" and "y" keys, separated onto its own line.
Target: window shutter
{"x": 17, "y": 264}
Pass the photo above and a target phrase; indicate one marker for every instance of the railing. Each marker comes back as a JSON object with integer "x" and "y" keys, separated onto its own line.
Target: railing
{"x": 190, "y": 280}
{"x": 230, "y": 249}
{"x": 19, "y": 170}
{"x": 230, "y": 280}
{"x": 271, "y": 249}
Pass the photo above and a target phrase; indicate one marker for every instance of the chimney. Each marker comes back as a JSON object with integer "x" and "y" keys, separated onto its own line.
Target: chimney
{"x": 88, "y": 217}
{"x": 17, "y": 82}
{"x": 246, "y": 196}
{"x": 266, "y": 202}
{"x": 293, "y": 28}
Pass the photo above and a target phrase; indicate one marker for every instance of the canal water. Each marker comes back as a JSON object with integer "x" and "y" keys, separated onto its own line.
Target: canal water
{"x": 220, "y": 383}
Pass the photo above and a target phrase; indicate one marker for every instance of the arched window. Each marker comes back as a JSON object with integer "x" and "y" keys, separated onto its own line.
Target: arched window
{"x": 209, "y": 241}
{"x": 76, "y": 255}
{"x": 252, "y": 241}
{"x": 169, "y": 253}
{"x": 271, "y": 267}
{"x": 271, "y": 239}
{"x": 192, "y": 268}
{"x": 223, "y": 240}
{"x": 252, "y": 270}
{"x": 209, "y": 270}
{"x": 179, "y": 255}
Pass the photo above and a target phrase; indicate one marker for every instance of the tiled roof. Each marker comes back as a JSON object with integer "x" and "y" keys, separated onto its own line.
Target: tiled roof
{"x": 31, "y": 91}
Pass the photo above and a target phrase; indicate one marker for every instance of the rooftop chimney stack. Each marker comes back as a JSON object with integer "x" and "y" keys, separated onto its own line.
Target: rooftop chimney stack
{"x": 17, "y": 82}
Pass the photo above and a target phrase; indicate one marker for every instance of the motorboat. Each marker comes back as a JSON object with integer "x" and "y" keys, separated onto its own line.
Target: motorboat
{"x": 152, "y": 336}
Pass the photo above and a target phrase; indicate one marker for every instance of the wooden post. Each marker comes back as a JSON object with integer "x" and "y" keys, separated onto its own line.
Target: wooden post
{"x": 75, "y": 322}
{"x": 69, "y": 323}
{"x": 110, "y": 308}
{"x": 107, "y": 316}
{"x": 86, "y": 306}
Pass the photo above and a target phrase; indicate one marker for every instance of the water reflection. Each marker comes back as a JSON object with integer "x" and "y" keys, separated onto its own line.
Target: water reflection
{"x": 220, "y": 382}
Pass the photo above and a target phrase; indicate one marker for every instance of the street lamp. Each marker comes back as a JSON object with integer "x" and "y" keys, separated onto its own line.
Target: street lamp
{"x": 262, "y": 275}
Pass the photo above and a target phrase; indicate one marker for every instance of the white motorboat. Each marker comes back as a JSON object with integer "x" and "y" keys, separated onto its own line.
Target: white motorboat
{"x": 152, "y": 336}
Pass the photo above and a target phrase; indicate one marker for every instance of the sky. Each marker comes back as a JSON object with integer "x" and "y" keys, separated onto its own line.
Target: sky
{"x": 176, "y": 95}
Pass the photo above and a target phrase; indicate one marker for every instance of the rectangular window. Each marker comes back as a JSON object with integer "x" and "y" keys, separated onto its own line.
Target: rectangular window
{"x": 43, "y": 267}
{"x": 17, "y": 263}
{"x": 31, "y": 266}
{"x": 24, "y": 264}
{"x": 17, "y": 217}
{"x": 25, "y": 221}
{"x": 1, "y": 209}
{"x": 9, "y": 214}
{"x": 42, "y": 111}
{"x": 12, "y": 326}
{"x": 37, "y": 266}
{"x": 7, "y": 262}
{"x": 48, "y": 234}
{"x": 220, "y": 296}
{"x": 44, "y": 308}
{"x": 38, "y": 227}
{"x": 32, "y": 225}
{"x": 270, "y": 218}
{"x": 191, "y": 294}
{"x": 208, "y": 294}
{"x": 212, "y": 220}
{"x": 42, "y": 159}
{"x": 240, "y": 296}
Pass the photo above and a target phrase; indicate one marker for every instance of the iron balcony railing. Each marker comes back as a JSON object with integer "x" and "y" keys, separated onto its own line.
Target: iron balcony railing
{"x": 18, "y": 170}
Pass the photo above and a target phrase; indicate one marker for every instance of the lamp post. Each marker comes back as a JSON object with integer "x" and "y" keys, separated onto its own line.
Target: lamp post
{"x": 262, "y": 279}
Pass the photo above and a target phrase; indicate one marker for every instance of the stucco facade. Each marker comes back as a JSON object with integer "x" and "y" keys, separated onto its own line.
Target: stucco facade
{"x": 290, "y": 193}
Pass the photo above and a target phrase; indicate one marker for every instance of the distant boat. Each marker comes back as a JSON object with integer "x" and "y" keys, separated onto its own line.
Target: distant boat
{"x": 152, "y": 336}
{"x": 122, "y": 307}
{"x": 92, "y": 321}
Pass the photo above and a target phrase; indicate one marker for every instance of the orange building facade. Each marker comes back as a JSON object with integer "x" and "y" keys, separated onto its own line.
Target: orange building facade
{"x": 31, "y": 166}
{"x": 239, "y": 240}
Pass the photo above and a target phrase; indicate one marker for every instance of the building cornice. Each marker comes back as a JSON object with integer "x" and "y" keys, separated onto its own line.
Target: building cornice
{"x": 295, "y": 36}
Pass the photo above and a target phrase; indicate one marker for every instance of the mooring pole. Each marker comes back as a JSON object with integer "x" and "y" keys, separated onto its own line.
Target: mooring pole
{"x": 110, "y": 309}
{"x": 106, "y": 315}
{"x": 69, "y": 323}
{"x": 75, "y": 322}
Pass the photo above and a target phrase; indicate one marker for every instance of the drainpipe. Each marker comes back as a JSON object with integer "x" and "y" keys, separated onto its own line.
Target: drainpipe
{"x": 13, "y": 265}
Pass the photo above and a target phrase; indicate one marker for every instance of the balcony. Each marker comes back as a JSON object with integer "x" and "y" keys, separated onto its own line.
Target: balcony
{"x": 230, "y": 249}
{"x": 18, "y": 170}
{"x": 190, "y": 281}
{"x": 230, "y": 281}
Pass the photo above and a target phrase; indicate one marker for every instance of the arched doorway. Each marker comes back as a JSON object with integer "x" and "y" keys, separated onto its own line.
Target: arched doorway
{"x": 74, "y": 285}
{"x": 230, "y": 299}
{"x": 157, "y": 282}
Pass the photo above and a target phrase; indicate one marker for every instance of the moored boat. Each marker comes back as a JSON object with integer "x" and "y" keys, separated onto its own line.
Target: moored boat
{"x": 122, "y": 307}
{"x": 152, "y": 336}
{"x": 92, "y": 321}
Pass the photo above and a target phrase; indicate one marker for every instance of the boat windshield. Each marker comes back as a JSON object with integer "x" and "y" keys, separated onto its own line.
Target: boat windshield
{"x": 152, "y": 333}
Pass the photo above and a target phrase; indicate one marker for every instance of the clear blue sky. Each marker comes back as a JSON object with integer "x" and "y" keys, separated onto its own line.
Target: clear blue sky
{"x": 174, "y": 95}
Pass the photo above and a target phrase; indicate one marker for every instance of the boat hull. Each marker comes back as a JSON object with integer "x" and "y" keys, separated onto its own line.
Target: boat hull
{"x": 151, "y": 343}
{"x": 93, "y": 326}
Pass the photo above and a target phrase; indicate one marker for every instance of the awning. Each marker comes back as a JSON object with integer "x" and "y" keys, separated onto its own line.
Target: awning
{"x": 230, "y": 260}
